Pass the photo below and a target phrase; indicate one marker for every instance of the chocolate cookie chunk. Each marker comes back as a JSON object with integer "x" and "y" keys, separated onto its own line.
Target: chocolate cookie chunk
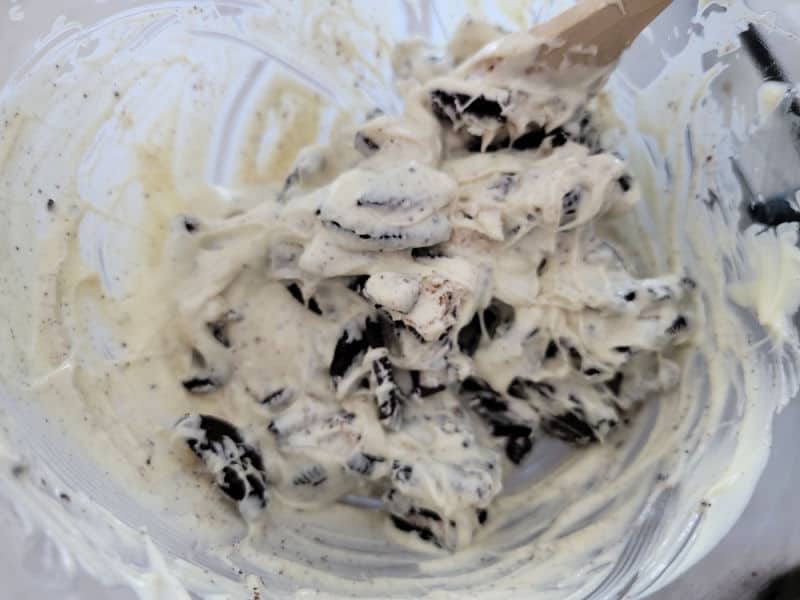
{"x": 236, "y": 466}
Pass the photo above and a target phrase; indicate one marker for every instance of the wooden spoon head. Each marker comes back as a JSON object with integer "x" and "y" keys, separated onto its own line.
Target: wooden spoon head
{"x": 596, "y": 32}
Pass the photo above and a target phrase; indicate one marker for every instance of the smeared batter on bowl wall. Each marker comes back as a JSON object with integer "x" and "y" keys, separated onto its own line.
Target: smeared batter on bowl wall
{"x": 185, "y": 267}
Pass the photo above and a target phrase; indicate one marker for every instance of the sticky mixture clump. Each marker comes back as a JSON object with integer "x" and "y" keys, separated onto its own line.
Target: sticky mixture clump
{"x": 425, "y": 300}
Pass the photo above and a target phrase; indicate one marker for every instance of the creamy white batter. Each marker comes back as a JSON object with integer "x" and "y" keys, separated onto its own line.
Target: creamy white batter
{"x": 397, "y": 327}
{"x": 158, "y": 206}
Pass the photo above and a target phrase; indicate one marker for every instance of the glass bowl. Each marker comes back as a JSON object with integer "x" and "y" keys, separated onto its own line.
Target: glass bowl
{"x": 687, "y": 108}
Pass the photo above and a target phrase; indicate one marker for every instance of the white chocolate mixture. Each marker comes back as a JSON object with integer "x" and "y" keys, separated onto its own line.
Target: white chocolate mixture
{"x": 397, "y": 305}
{"x": 433, "y": 306}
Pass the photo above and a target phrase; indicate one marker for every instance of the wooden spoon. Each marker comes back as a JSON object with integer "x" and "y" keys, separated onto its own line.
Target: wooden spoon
{"x": 596, "y": 32}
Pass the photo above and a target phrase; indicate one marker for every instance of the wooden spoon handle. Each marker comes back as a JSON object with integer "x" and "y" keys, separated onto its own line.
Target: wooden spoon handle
{"x": 602, "y": 29}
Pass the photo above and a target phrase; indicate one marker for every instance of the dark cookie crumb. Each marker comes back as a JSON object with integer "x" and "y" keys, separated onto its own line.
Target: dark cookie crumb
{"x": 389, "y": 398}
{"x": 451, "y": 106}
{"x": 314, "y": 476}
{"x": 297, "y": 294}
{"x": 424, "y": 533}
{"x": 570, "y": 204}
{"x": 190, "y": 224}
{"x": 243, "y": 474}
{"x": 427, "y": 252}
{"x": 773, "y": 212}
{"x": 575, "y": 358}
{"x": 625, "y": 182}
{"x": 357, "y": 284}
{"x": 615, "y": 384}
{"x": 678, "y": 325}
{"x": 469, "y": 338}
{"x": 279, "y": 397}
{"x": 363, "y": 463}
{"x": 348, "y": 351}
{"x": 423, "y": 391}
{"x": 219, "y": 327}
{"x": 402, "y": 472}
{"x": 365, "y": 144}
{"x": 497, "y": 317}
{"x": 517, "y": 448}
{"x": 531, "y": 139}
{"x": 570, "y": 427}
{"x": 201, "y": 385}
{"x": 559, "y": 138}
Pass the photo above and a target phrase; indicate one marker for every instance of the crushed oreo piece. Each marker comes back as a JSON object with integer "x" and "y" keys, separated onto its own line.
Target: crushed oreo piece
{"x": 423, "y": 391}
{"x": 570, "y": 427}
{"x": 558, "y": 138}
{"x": 313, "y": 475}
{"x": 219, "y": 327}
{"x": 365, "y": 144}
{"x": 205, "y": 380}
{"x": 363, "y": 463}
{"x": 452, "y": 106}
{"x": 773, "y": 212}
{"x": 678, "y": 325}
{"x": 278, "y": 398}
{"x": 518, "y": 447}
{"x": 625, "y": 182}
{"x": 350, "y": 348}
{"x": 615, "y": 384}
{"x": 297, "y": 294}
{"x": 570, "y": 205}
{"x": 494, "y": 410}
{"x": 469, "y": 337}
{"x": 530, "y": 140}
{"x": 357, "y": 283}
{"x": 389, "y": 399}
{"x": 427, "y": 252}
{"x": 236, "y": 466}
{"x": 200, "y": 385}
{"x": 402, "y": 472}
{"x": 498, "y": 317}
{"x": 428, "y": 524}
{"x": 542, "y": 267}
{"x": 190, "y": 224}
{"x": 424, "y": 533}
